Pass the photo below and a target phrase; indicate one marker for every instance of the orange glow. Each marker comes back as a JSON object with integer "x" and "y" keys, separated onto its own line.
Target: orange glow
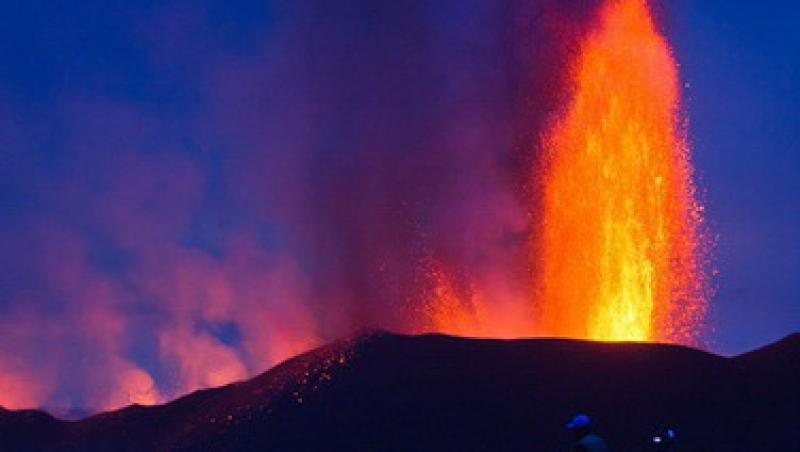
{"x": 452, "y": 311}
{"x": 133, "y": 386}
{"x": 16, "y": 393}
{"x": 464, "y": 310}
{"x": 620, "y": 248}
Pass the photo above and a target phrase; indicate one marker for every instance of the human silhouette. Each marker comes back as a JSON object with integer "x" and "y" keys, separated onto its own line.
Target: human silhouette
{"x": 585, "y": 440}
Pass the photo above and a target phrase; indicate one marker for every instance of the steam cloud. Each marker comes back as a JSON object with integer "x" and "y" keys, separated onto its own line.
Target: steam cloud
{"x": 324, "y": 160}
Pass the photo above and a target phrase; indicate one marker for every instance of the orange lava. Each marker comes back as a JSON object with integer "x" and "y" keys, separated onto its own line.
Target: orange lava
{"x": 464, "y": 310}
{"x": 450, "y": 310}
{"x": 620, "y": 248}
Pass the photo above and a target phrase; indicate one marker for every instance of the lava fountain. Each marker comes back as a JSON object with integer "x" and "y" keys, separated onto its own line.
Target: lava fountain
{"x": 620, "y": 248}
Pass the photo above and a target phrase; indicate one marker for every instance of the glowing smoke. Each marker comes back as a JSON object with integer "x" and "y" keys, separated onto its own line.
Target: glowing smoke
{"x": 356, "y": 166}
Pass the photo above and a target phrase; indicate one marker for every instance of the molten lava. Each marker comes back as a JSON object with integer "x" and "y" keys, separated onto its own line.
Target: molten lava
{"x": 464, "y": 310}
{"x": 450, "y": 310}
{"x": 620, "y": 243}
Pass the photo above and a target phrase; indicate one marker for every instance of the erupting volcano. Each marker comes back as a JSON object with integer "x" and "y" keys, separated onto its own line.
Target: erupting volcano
{"x": 621, "y": 248}
{"x": 381, "y": 225}
{"x": 619, "y": 251}
{"x": 510, "y": 169}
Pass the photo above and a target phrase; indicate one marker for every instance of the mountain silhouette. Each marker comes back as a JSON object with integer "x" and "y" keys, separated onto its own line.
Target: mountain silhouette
{"x": 385, "y": 392}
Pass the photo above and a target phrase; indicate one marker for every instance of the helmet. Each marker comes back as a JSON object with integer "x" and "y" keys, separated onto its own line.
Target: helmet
{"x": 579, "y": 421}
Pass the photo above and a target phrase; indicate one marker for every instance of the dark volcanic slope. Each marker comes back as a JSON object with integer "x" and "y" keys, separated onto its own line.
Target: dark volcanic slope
{"x": 389, "y": 392}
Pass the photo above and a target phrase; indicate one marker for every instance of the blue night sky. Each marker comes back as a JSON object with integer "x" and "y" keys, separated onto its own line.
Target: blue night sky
{"x": 741, "y": 60}
{"x": 148, "y": 145}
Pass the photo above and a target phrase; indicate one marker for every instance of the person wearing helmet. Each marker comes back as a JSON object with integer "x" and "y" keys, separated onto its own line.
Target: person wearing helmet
{"x": 585, "y": 441}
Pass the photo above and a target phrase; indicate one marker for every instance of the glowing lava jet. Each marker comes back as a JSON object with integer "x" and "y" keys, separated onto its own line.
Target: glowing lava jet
{"x": 620, "y": 252}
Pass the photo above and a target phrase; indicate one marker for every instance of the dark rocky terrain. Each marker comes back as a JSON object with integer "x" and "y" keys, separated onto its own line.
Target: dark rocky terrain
{"x": 385, "y": 392}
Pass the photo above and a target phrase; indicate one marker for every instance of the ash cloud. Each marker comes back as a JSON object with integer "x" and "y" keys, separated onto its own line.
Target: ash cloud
{"x": 269, "y": 184}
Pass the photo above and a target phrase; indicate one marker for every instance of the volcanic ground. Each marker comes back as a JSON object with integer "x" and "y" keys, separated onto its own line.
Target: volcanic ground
{"x": 386, "y": 392}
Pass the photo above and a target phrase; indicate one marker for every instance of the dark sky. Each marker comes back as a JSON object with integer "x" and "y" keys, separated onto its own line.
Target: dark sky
{"x": 150, "y": 145}
{"x": 741, "y": 61}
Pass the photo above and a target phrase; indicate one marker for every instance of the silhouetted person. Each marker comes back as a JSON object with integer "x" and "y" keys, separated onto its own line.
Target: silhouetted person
{"x": 585, "y": 441}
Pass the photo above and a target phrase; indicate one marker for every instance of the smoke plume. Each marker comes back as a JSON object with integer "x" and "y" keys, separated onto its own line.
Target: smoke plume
{"x": 286, "y": 185}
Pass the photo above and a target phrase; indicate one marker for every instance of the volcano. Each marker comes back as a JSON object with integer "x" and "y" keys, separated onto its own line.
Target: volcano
{"x": 382, "y": 391}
